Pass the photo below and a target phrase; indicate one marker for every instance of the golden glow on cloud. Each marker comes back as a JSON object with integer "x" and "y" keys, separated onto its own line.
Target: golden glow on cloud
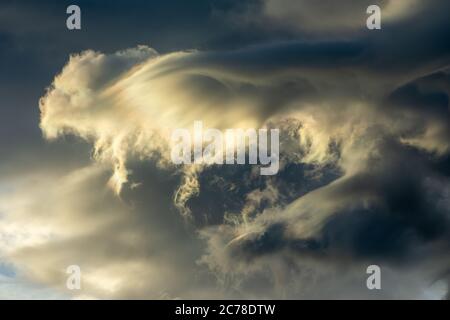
{"x": 126, "y": 105}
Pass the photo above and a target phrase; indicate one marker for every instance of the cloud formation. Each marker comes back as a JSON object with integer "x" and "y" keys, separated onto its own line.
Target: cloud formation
{"x": 363, "y": 179}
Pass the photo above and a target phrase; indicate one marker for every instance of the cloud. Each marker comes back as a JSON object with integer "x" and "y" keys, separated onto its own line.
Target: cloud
{"x": 123, "y": 250}
{"x": 338, "y": 19}
{"x": 341, "y": 17}
{"x": 363, "y": 179}
{"x": 361, "y": 147}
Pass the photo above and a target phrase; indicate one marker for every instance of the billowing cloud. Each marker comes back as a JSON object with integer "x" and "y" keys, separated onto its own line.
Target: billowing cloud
{"x": 363, "y": 178}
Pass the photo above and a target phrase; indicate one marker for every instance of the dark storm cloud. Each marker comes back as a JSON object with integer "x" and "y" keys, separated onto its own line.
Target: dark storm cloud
{"x": 405, "y": 215}
{"x": 364, "y": 118}
{"x": 423, "y": 106}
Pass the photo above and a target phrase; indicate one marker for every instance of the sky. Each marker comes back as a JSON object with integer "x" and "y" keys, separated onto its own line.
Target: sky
{"x": 86, "y": 176}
